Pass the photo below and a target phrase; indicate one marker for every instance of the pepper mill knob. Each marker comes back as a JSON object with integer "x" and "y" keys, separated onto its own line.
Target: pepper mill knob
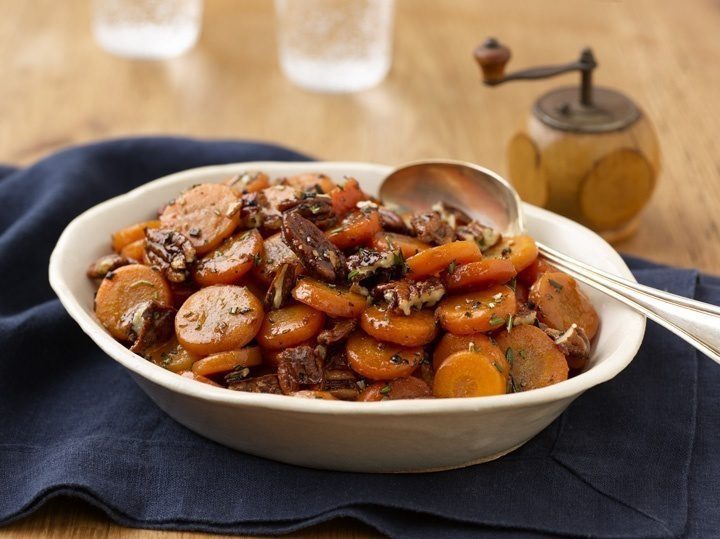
{"x": 492, "y": 57}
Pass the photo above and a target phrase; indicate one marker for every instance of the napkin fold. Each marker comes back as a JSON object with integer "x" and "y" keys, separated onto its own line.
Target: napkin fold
{"x": 634, "y": 457}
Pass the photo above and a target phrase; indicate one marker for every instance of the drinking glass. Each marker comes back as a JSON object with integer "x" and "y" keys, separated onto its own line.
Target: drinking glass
{"x": 335, "y": 45}
{"x": 147, "y": 29}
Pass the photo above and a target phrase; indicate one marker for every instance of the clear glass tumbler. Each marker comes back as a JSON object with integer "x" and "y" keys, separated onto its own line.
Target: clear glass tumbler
{"x": 335, "y": 45}
{"x": 147, "y": 29}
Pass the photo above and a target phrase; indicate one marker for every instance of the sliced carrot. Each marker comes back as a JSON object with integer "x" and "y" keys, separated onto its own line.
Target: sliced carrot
{"x": 134, "y": 251}
{"x": 309, "y": 180}
{"x": 329, "y": 298}
{"x": 358, "y": 228}
{"x": 436, "y": 259}
{"x": 560, "y": 303}
{"x": 469, "y": 374}
{"x": 198, "y": 378}
{"x": 218, "y": 318}
{"x": 477, "y": 312}
{"x": 171, "y": 355}
{"x": 275, "y": 253}
{"x": 127, "y": 235}
{"x": 535, "y": 360}
{"x": 391, "y": 241}
{"x": 520, "y": 250}
{"x": 223, "y": 362}
{"x": 479, "y": 274}
{"x": 380, "y": 360}
{"x": 400, "y": 388}
{"x": 248, "y": 182}
{"x": 314, "y": 394}
{"x": 206, "y": 214}
{"x": 415, "y": 330}
{"x": 231, "y": 260}
{"x": 345, "y": 197}
{"x": 450, "y": 344}
{"x": 531, "y": 274}
{"x": 123, "y": 290}
{"x": 289, "y": 326}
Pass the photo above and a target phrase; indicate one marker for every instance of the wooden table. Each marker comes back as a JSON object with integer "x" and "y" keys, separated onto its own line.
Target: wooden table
{"x": 58, "y": 89}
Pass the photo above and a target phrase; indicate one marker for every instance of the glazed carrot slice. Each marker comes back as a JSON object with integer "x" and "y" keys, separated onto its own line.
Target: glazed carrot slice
{"x": 310, "y": 180}
{"x": 477, "y": 312}
{"x": 233, "y": 259}
{"x": 329, "y": 298}
{"x": 218, "y": 318}
{"x": 127, "y": 235}
{"x": 479, "y": 274}
{"x": 172, "y": 356}
{"x": 391, "y": 241}
{"x": 223, "y": 362}
{"x": 520, "y": 250}
{"x": 358, "y": 228}
{"x": 415, "y": 330}
{"x": 206, "y": 214}
{"x": 469, "y": 374}
{"x": 531, "y": 274}
{"x": 379, "y": 360}
{"x": 560, "y": 303}
{"x": 123, "y": 290}
{"x": 198, "y": 378}
{"x": 275, "y": 253}
{"x": 400, "y": 388}
{"x": 442, "y": 257}
{"x": 345, "y": 197}
{"x": 535, "y": 360}
{"x": 314, "y": 394}
{"x": 134, "y": 250}
{"x": 248, "y": 182}
{"x": 450, "y": 344}
{"x": 289, "y": 326}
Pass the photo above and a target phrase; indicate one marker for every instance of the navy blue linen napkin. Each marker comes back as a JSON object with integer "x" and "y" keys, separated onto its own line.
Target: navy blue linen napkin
{"x": 635, "y": 457}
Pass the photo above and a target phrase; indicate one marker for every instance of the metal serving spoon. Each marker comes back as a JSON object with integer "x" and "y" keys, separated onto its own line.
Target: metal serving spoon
{"x": 487, "y": 196}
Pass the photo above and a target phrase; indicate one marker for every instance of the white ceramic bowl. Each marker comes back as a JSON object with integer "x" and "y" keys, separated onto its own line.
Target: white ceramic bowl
{"x": 390, "y": 436}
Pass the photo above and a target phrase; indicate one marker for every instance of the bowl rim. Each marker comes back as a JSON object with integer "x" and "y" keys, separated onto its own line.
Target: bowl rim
{"x": 602, "y": 372}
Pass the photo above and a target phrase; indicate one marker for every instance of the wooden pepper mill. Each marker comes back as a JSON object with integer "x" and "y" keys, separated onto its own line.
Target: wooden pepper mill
{"x": 588, "y": 153}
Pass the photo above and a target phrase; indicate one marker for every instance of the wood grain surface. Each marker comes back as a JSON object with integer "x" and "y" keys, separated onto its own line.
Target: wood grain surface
{"x": 58, "y": 89}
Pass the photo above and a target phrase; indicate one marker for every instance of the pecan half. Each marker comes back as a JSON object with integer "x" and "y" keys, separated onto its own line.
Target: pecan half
{"x": 262, "y": 384}
{"x": 298, "y": 366}
{"x": 105, "y": 264}
{"x": 483, "y": 235}
{"x": 430, "y": 227}
{"x": 317, "y": 254}
{"x": 391, "y": 221}
{"x": 573, "y": 342}
{"x": 453, "y": 215}
{"x": 366, "y": 262}
{"x": 149, "y": 324}
{"x": 405, "y": 295}
{"x": 338, "y": 330}
{"x": 318, "y": 210}
{"x": 282, "y": 284}
{"x": 170, "y": 253}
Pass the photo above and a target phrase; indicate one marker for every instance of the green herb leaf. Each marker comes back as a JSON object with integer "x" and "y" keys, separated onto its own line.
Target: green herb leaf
{"x": 556, "y": 285}
{"x": 498, "y": 367}
{"x": 509, "y": 356}
{"x": 385, "y": 390}
{"x": 496, "y": 320}
{"x": 451, "y": 267}
{"x": 354, "y": 273}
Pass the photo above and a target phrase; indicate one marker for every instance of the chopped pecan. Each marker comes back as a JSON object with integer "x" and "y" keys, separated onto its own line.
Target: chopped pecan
{"x": 282, "y": 284}
{"x": 251, "y": 210}
{"x": 405, "y": 295}
{"x": 366, "y": 262}
{"x": 432, "y": 228}
{"x": 169, "y": 252}
{"x": 105, "y": 264}
{"x": 342, "y": 383}
{"x": 268, "y": 383}
{"x": 574, "y": 343}
{"x": 317, "y": 254}
{"x": 452, "y": 215}
{"x": 483, "y": 235}
{"x": 298, "y": 366}
{"x": 150, "y": 323}
{"x": 338, "y": 330}
{"x": 525, "y": 316}
{"x": 391, "y": 221}
{"x": 318, "y": 210}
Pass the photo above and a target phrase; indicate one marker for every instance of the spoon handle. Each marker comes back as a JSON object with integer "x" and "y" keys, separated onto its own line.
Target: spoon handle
{"x": 696, "y": 322}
